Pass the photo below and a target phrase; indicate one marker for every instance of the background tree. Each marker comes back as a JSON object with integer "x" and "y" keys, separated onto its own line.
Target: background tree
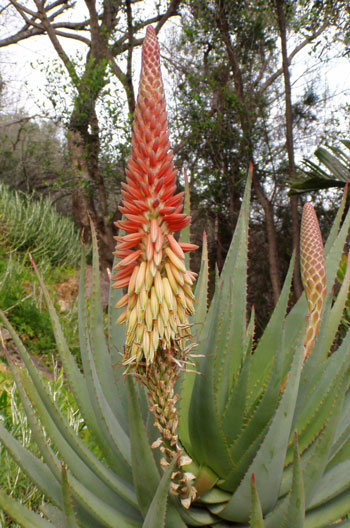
{"x": 231, "y": 110}
{"x": 109, "y": 34}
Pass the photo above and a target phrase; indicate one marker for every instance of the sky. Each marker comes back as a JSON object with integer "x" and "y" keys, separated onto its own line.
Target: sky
{"x": 26, "y": 82}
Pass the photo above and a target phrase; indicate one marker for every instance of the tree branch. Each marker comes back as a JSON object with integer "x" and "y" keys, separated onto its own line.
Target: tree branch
{"x": 121, "y": 45}
{"x": 56, "y": 43}
{"x": 291, "y": 56}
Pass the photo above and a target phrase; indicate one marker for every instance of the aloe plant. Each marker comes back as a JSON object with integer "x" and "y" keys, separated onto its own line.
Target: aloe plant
{"x": 247, "y": 434}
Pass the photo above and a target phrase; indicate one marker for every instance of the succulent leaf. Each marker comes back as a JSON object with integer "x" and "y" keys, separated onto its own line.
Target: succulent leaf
{"x": 334, "y": 254}
{"x": 268, "y": 464}
{"x": 296, "y": 501}
{"x": 256, "y": 516}
{"x": 112, "y": 437}
{"x": 32, "y": 466}
{"x": 336, "y": 224}
{"x": 333, "y": 483}
{"x": 99, "y": 347}
{"x": 187, "y": 379}
{"x": 337, "y": 310}
{"x": 263, "y": 357}
{"x": 157, "y": 510}
{"x": 145, "y": 473}
{"x": 21, "y": 514}
{"x": 68, "y": 506}
{"x": 204, "y": 426}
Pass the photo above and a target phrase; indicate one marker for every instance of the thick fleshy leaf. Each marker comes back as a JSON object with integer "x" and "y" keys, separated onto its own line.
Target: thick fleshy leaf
{"x": 335, "y": 252}
{"x": 315, "y": 460}
{"x": 21, "y": 514}
{"x": 206, "y": 437}
{"x": 330, "y": 512}
{"x": 269, "y": 461}
{"x": 196, "y": 516}
{"x": 332, "y": 483}
{"x": 102, "y": 357}
{"x": 104, "y": 513}
{"x": 145, "y": 473}
{"x": 188, "y": 378}
{"x": 75, "y": 378}
{"x": 337, "y": 310}
{"x": 68, "y": 505}
{"x": 54, "y": 514}
{"x": 264, "y": 353}
{"x": 235, "y": 411}
{"x": 244, "y": 448}
{"x": 230, "y": 351}
{"x": 342, "y": 524}
{"x": 157, "y": 510}
{"x": 319, "y": 402}
{"x": 230, "y": 345}
{"x": 111, "y": 436}
{"x": 82, "y": 462}
{"x": 36, "y": 470}
{"x": 289, "y": 511}
{"x": 256, "y": 517}
{"x": 296, "y": 501}
{"x": 336, "y": 224}
{"x": 116, "y": 341}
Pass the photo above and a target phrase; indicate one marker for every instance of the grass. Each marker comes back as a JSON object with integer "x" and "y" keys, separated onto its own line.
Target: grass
{"x": 22, "y": 301}
{"x": 35, "y": 226}
{"x": 12, "y": 479}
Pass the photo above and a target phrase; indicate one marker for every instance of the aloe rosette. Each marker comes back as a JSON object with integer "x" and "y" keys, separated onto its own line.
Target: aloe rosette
{"x": 250, "y": 454}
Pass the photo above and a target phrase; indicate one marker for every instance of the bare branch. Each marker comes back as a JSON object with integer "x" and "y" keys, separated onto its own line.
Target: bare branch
{"x": 56, "y": 43}
{"x": 73, "y": 36}
{"x": 121, "y": 45}
{"x": 4, "y": 8}
{"x": 293, "y": 53}
{"x": 5, "y": 124}
{"x": 22, "y": 9}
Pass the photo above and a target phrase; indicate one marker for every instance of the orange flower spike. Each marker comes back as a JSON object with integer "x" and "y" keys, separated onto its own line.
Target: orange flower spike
{"x": 152, "y": 212}
{"x": 313, "y": 273}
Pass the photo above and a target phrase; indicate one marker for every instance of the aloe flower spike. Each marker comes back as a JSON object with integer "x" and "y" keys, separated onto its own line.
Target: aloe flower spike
{"x": 152, "y": 265}
{"x": 313, "y": 273}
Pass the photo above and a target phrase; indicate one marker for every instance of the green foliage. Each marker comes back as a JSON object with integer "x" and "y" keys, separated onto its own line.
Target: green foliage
{"x": 32, "y": 154}
{"x": 22, "y": 299}
{"x": 332, "y": 170}
{"x": 252, "y": 409}
{"x": 29, "y": 225}
{"x": 12, "y": 414}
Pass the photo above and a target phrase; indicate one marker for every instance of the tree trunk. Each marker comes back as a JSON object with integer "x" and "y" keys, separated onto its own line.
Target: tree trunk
{"x": 290, "y": 144}
{"x": 271, "y": 238}
{"x": 83, "y": 153}
{"x": 246, "y": 115}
